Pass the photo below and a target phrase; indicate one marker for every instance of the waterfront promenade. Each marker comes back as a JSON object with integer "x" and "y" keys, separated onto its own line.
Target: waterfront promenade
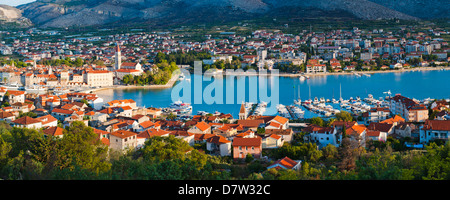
{"x": 340, "y": 73}
{"x": 169, "y": 84}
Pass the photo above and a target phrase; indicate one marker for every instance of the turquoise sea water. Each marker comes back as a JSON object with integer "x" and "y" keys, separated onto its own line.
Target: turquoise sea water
{"x": 433, "y": 84}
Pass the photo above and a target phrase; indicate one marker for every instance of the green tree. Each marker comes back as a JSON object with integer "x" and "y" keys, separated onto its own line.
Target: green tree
{"x": 330, "y": 152}
{"x": 164, "y": 148}
{"x": 249, "y": 158}
{"x": 128, "y": 79}
{"x": 81, "y": 147}
{"x": 29, "y": 114}
{"x": 317, "y": 121}
{"x": 344, "y": 116}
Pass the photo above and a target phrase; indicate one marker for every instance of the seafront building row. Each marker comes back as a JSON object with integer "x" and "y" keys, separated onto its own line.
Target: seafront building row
{"x": 321, "y": 52}
{"x": 40, "y": 77}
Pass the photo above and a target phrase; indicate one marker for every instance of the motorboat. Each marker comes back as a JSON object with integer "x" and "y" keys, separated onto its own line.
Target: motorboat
{"x": 283, "y": 110}
{"x": 181, "y": 107}
{"x": 316, "y": 100}
{"x": 334, "y": 101}
{"x": 298, "y": 112}
{"x": 181, "y": 77}
{"x": 202, "y": 113}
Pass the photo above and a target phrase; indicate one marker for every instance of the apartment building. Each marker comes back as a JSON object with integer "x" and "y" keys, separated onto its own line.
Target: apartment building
{"x": 408, "y": 108}
{"x": 377, "y": 114}
{"x": 318, "y": 68}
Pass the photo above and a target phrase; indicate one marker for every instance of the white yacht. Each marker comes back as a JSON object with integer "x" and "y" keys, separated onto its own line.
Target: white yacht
{"x": 181, "y": 107}
{"x": 283, "y": 110}
{"x": 298, "y": 112}
{"x": 202, "y": 113}
{"x": 322, "y": 100}
{"x": 334, "y": 101}
{"x": 316, "y": 100}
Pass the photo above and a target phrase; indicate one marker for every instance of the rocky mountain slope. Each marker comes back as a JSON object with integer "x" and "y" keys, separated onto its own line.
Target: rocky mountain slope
{"x": 11, "y": 14}
{"x": 424, "y": 9}
{"x": 64, "y": 13}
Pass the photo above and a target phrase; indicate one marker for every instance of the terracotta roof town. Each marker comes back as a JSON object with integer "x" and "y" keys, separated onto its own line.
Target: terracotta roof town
{"x": 122, "y": 123}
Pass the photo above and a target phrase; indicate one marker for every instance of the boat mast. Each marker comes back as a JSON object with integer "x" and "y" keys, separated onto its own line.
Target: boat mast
{"x": 309, "y": 92}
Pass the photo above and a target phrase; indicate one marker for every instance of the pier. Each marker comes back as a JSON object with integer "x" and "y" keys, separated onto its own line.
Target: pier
{"x": 290, "y": 112}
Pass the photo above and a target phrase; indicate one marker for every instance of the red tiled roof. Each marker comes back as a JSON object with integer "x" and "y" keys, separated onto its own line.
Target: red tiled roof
{"x": 280, "y": 119}
{"x": 255, "y": 142}
{"x": 26, "y": 120}
{"x": 129, "y": 64}
{"x": 127, "y": 70}
{"x": 100, "y": 132}
{"x": 105, "y": 141}
{"x": 152, "y": 132}
{"x": 315, "y": 128}
{"x": 285, "y": 162}
{"x": 147, "y": 124}
{"x": 201, "y": 137}
{"x": 275, "y": 136}
{"x": 217, "y": 139}
{"x": 47, "y": 119}
{"x": 202, "y": 126}
{"x": 122, "y": 133}
{"x": 356, "y": 129}
{"x": 250, "y": 123}
{"x": 5, "y": 114}
{"x": 16, "y": 92}
{"x": 53, "y": 131}
{"x": 383, "y": 127}
{"x": 394, "y": 119}
{"x": 57, "y": 110}
{"x": 438, "y": 125}
{"x": 372, "y": 133}
{"x": 274, "y": 124}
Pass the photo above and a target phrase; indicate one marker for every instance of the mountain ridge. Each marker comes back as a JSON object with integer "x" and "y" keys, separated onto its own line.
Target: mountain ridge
{"x": 67, "y": 13}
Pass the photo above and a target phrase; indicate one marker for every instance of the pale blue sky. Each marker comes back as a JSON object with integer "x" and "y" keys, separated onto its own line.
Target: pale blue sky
{"x": 15, "y": 2}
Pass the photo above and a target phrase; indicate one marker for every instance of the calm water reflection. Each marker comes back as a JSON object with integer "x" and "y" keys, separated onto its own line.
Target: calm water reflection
{"x": 419, "y": 85}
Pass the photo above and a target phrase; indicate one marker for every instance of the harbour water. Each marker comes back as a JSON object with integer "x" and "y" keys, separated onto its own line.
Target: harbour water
{"x": 433, "y": 84}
